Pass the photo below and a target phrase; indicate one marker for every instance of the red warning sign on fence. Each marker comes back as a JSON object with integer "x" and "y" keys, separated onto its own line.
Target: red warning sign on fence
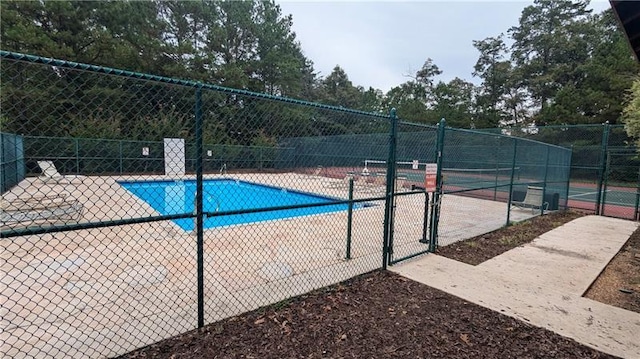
{"x": 430, "y": 177}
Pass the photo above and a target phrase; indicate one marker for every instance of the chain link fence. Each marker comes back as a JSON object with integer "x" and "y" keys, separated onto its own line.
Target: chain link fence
{"x": 497, "y": 180}
{"x": 604, "y": 170}
{"x": 125, "y": 157}
{"x": 152, "y": 206}
{"x": 11, "y": 161}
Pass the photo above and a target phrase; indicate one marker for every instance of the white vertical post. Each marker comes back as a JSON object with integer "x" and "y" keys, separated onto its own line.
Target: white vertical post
{"x": 174, "y": 157}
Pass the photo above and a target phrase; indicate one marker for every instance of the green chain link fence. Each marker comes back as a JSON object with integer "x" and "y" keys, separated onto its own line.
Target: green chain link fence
{"x": 151, "y": 206}
{"x": 12, "y": 166}
{"x": 605, "y": 169}
{"x": 125, "y": 157}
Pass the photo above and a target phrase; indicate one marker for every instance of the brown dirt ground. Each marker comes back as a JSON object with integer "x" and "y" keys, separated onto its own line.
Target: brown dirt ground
{"x": 382, "y": 315}
{"x": 623, "y": 272}
{"x": 481, "y": 248}
{"x": 376, "y": 315}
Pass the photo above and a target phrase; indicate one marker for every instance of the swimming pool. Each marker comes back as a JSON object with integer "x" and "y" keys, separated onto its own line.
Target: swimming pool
{"x": 177, "y": 197}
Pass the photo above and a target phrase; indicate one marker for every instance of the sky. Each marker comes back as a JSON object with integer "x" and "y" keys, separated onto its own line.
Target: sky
{"x": 379, "y": 44}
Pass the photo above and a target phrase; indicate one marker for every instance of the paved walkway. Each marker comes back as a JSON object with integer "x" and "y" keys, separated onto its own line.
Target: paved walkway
{"x": 543, "y": 282}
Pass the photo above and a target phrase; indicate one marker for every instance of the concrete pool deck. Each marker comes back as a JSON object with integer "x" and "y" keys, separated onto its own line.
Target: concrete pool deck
{"x": 543, "y": 282}
{"x": 105, "y": 291}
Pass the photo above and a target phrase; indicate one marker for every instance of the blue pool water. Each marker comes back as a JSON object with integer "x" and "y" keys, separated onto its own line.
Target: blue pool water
{"x": 177, "y": 197}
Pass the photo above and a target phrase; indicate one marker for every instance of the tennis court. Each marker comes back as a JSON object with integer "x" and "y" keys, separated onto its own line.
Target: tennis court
{"x": 494, "y": 183}
{"x": 618, "y": 196}
{"x": 414, "y": 171}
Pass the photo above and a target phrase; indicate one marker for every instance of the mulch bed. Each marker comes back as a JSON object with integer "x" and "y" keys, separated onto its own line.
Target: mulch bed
{"x": 481, "y": 248}
{"x": 377, "y": 315}
{"x": 619, "y": 283}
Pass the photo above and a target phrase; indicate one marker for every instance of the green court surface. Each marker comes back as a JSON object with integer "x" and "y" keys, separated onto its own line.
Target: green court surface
{"x": 614, "y": 196}
{"x": 455, "y": 180}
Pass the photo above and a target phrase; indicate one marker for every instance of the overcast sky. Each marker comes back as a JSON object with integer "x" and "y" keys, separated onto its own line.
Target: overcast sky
{"x": 379, "y": 43}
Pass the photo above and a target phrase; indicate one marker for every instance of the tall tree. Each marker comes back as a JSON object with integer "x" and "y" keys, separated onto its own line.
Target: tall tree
{"x": 409, "y": 101}
{"x": 548, "y": 45}
{"x": 186, "y": 24}
{"x": 280, "y": 64}
{"x": 371, "y": 100}
{"x": 119, "y": 34}
{"x": 516, "y": 105}
{"x": 494, "y": 71}
{"x": 338, "y": 90}
{"x": 603, "y": 79}
{"x": 454, "y": 102}
{"x": 414, "y": 98}
{"x": 425, "y": 77}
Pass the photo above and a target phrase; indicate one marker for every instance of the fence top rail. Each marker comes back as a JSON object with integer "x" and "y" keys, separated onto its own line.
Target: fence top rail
{"x": 584, "y": 125}
{"x": 16, "y": 56}
{"x": 423, "y": 125}
{"x": 71, "y": 139}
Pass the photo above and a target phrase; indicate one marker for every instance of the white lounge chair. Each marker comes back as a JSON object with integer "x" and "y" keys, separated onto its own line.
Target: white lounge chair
{"x": 48, "y": 208}
{"x": 317, "y": 173}
{"x": 532, "y": 200}
{"x": 377, "y": 184}
{"x": 50, "y": 173}
{"x": 362, "y": 182}
{"x": 341, "y": 183}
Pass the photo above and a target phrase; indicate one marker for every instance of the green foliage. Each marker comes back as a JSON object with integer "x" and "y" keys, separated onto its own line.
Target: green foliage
{"x": 409, "y": 101}
{"x": 425, "y": 76}
{"x": 337, "y": 90}
{"x": 454, "y": 102}
{"x": 95, "y": 126}
{"x": 547, "y": 45}
{"x": 166, "y": 123}
{"x": 574, "y": 66}
{"x": 415, "y": 99}
{"x": 246, "y": 45}
{"x": 631, "y": 113}
{"x": 495, "y": 72}
{"x": 565, "y": 66}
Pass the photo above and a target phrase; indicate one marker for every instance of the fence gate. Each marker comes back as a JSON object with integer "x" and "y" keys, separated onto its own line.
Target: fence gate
{"x": 621, "y": 186}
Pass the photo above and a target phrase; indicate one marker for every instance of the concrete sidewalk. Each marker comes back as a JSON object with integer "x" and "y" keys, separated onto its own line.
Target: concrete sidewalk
{"x": 543, "y": 282}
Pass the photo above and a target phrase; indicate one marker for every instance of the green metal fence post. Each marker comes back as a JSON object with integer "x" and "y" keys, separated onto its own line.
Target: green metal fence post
{"x": 436, "y": 197}
{"x": 199, "y": 207}
{"x": 605, "y": 182}
{"x": 566, "y": 197}
{"x": 513, "y": 170}
{"x": 349, "y": 218}
{"x": 495, "y": 157}
{"x": 425, "y": 219}
{"x": 77, "y": 156}
{"x": 602, "y": 164}
{"x": 16, "y": 176}
{"x": 544, "y": 183}
{"x": 120, "y": 150}
{"x": 387, "y": 250}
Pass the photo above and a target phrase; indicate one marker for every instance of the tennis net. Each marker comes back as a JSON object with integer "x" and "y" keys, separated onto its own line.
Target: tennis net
{"x": 453, "y": 178}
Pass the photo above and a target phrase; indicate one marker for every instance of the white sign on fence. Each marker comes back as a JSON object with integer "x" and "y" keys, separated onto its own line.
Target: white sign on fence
{"x": 414, "y": 164}
{"x": 145, "y": 151}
